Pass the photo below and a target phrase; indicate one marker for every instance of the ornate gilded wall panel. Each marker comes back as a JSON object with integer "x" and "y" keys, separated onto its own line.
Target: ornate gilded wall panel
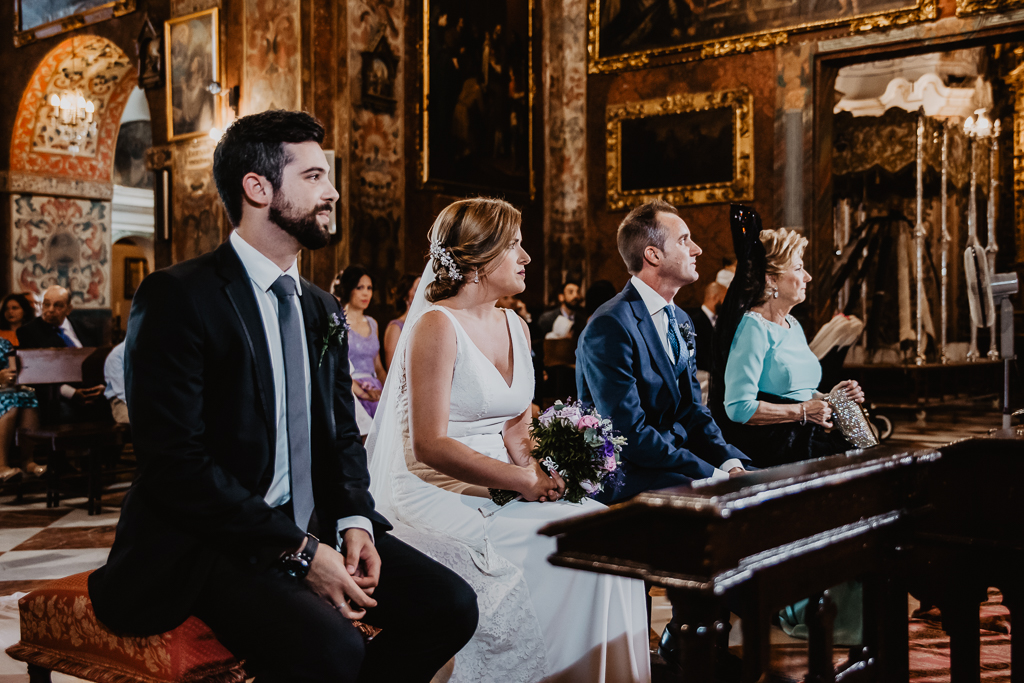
{"x": 626, "y": 34}
{"x": 695, "y": 148}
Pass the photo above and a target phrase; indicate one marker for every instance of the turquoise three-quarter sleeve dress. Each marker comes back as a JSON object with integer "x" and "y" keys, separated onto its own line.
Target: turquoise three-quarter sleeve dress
{"x": 14, "y": 399}
{"x": 768, "y": 358}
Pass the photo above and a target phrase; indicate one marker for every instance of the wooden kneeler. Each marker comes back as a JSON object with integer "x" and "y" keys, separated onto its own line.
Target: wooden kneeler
{"x": 60, "y": 632}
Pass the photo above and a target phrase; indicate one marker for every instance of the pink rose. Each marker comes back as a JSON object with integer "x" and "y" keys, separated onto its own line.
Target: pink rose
{"x": 590, "y": 487}
{"x": 588, "y": 422}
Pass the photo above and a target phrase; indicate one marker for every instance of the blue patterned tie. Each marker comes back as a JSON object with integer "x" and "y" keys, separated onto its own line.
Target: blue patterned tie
{"x": 673, "y": 335}
{"x": 299, "y": 452}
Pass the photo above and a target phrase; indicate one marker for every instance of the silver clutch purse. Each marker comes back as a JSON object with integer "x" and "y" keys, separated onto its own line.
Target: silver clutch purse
{"x": 848, "y": 416}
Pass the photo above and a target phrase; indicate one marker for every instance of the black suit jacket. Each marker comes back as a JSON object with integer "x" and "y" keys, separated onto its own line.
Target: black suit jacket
{"x": 37, "y": 334}
{"x": 200, "y": 392}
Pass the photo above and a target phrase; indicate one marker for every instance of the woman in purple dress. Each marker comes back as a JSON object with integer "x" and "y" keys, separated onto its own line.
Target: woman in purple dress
{"x": 404, "y": 292}
{"x": 355, "y": 290}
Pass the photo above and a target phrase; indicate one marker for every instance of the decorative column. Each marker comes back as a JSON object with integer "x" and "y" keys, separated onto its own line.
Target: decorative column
{"x": 566, "y": 254}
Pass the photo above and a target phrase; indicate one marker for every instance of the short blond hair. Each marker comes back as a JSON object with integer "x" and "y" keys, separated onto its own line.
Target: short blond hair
{"x": 781, "y": 248}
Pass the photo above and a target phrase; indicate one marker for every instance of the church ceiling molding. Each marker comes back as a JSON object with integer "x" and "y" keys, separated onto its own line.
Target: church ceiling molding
{"x": 928, "y": 92}
{"x": 40, "y": 161}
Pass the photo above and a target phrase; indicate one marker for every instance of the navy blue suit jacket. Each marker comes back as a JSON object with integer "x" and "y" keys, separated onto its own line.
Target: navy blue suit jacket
{"x": 622, "y": 368}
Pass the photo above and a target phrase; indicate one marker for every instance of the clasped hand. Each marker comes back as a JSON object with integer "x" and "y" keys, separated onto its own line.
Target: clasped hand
{"x": 820, "y": 412}
{"x": 347, "y": 581}
{"x": 539, "y": 485}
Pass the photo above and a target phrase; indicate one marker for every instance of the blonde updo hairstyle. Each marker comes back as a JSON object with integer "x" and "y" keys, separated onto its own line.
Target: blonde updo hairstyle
{"x": 474, "y": 232}
{"x": 781, "y": 247}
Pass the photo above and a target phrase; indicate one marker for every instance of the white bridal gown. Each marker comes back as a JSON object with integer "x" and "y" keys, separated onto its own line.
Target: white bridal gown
{"x": 538, "y": 622}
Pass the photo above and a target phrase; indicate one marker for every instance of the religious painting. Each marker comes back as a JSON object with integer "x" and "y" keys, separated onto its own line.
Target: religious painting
{"x": 696, "y": 148}
{"x": 191, "y": 43}
{"x": 134, "y": 270}
{"x": 627, "y": 33}
{"x": 58, "y": 241}
{"x": 272, "y": 69}
{"x": 379, "y": 71}
{"x": 37, "y": 19}
{"x": 133, "y": 140}
{"x": 477, "y": 125}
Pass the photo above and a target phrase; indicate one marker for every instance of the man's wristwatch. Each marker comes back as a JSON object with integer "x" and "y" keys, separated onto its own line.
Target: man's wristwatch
{"x": 297, "y": 564}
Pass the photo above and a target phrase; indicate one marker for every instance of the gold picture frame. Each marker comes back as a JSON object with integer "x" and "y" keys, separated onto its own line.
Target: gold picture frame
{"x": 432, "y": 173}
{"x": 966, "y": 8}
{"x": 650, "y": 144}
{"x": 191, "y": 45}
{"x": 717, "y": 19}
{"x": 99, "y": 11}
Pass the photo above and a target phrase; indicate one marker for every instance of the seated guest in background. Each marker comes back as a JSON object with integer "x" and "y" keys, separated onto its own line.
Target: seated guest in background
{"x": 513, "y": 304}
{"x": 113, "y": 373}
{"x": 635, "y": 363}
{"x": 704, "y": 329}
{"x": 557, "y": 323}
{"x": 772, "y": 376}
{"x": 405, "y": 290}
{"x": 54, "y": 329}
{"x": 355, "y": 291}
{"x": 17, "y": 310}
{"x": 17, "y": 409}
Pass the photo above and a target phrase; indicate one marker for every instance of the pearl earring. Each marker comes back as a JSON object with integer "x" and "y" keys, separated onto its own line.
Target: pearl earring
{"x": 775, "y": 292}
{"x": 476, "y": 276}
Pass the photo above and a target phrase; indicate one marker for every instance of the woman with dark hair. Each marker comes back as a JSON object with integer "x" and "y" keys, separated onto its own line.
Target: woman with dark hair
{"x": 17, "y": 310}
{"x": 404, "y": 292}
{"x": 354, "y": 289}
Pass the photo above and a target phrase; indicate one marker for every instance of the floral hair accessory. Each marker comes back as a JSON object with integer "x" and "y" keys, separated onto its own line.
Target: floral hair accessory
{"x": 443, "y": 255}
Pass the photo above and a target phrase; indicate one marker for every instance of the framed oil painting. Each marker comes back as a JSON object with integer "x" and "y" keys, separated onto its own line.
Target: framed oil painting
{"x": 687, "y": 149}
{"x": 626, "y": 34}
{"x": 135, "y": 269}
{"x": 36, "y": 19}
{"x": 476, "y": 131}
{"x": 191, "y": 44}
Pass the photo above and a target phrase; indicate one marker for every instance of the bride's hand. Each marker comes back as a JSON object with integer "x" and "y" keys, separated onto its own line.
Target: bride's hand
{"x": 537, "y": 485}
{"x": 852, "y": 389}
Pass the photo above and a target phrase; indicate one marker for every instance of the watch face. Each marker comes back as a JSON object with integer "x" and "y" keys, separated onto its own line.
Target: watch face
{"x": 296, "y": 567}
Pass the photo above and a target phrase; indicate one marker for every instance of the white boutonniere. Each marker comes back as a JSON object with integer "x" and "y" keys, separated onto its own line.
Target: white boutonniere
{"x": 689, "y": 337}
{"x": 337, "y": 328}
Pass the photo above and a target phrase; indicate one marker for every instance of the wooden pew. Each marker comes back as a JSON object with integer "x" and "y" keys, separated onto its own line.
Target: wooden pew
{"x": 757, "y": 543}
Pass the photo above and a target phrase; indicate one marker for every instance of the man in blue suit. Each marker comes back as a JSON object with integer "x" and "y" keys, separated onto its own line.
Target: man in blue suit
{"x": 635, "y": 362}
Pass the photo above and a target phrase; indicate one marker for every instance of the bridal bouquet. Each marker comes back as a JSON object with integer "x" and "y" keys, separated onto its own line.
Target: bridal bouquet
{"x": 580, "y": 445}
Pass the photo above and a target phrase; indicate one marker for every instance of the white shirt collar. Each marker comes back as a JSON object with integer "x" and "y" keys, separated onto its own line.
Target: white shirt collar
{"x": 712, "y": 316}
{"x": 262, "y": 270}
{"x": 654, "y": 301}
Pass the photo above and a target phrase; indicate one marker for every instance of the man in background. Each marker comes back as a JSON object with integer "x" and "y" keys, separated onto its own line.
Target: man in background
{"x": 557, "y": 322}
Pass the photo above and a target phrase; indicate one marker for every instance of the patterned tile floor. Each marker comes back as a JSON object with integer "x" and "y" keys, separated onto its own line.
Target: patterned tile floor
{"x": 38, "y": 544}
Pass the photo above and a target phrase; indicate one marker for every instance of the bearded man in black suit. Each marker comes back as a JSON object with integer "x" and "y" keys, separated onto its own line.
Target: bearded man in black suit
{"x": 241, "y": 408}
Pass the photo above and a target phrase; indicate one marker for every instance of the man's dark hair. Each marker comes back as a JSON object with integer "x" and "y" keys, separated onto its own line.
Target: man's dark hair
{"x": 255, "y": 144}
{"x": 640, "y": 229}
{"x": 571, "y": 282}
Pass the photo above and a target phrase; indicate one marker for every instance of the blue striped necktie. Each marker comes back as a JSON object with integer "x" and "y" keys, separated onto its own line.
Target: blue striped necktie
{"x": 673, "y": 335}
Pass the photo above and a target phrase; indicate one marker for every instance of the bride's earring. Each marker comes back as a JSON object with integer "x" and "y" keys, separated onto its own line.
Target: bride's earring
{"x": 476, "y": 276}
{"x": 775, "y": 292}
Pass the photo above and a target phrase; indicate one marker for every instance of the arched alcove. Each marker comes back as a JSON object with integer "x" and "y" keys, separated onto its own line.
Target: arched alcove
{"x": 39, "y": 161}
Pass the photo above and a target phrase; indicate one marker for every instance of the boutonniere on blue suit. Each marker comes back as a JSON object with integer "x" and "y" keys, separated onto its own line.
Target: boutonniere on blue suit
{"x": 337, "y": 328}
{"x": 686, "y": 329}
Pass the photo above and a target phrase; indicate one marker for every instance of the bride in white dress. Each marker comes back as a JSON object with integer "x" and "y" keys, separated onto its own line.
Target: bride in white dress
{"x": 454, "y": 420}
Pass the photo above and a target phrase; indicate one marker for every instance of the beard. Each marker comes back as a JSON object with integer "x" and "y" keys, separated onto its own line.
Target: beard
{"x": 304, "y": 227}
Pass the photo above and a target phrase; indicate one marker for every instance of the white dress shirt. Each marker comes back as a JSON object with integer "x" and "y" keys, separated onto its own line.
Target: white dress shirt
{"x": 263, "y": 273}
{"x": 66, "y": 390}
{"x": 113, "y": 373}
{"x": 657, "y": 306}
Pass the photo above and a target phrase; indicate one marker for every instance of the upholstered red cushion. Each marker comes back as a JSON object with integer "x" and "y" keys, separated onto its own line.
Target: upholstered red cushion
{"x": 60, "y": 632}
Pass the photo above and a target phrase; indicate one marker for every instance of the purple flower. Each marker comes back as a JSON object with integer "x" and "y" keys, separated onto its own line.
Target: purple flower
{"x": 570, "y": 414}
{"x": 608, "y": 449}
{"x": 547, "y": 416}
